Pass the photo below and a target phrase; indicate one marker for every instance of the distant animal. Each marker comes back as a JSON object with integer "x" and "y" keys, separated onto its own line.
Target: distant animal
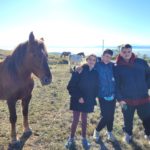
{"x": 64, "y": 54}
{"x": 75, "y": 60}
{"x": 81, "y": 54}
{"x": 16, "y": 82}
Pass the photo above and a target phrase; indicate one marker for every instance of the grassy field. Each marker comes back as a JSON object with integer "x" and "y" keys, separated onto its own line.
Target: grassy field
{"x": 50, "y": 118}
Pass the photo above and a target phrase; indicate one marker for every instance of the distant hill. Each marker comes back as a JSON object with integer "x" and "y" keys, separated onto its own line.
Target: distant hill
{"x": 141, "y": 46}
{"x": 139, "y": 49}
{"x": 5, "y": 52}
{"x": 54, "y": 53}
{"x": 134, "y": 46}
{"x": 142, "y": 51}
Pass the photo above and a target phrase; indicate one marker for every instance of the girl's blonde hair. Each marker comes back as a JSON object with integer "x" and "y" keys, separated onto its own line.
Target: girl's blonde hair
{"x": 91, "y": 55}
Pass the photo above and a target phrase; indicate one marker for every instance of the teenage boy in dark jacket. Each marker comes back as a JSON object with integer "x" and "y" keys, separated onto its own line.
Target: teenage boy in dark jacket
{"x": 132, "y": 75}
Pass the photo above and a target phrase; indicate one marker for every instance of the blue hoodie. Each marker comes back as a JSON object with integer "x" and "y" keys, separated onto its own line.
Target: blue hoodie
{"x": 106, "y": 79}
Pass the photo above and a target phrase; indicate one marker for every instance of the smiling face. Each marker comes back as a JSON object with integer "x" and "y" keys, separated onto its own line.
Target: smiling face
{"x": 91, "y": 61}
{"x": 106, "y": 58}
{"x": 38, "y": 60}
{"x": 126, "y": 53}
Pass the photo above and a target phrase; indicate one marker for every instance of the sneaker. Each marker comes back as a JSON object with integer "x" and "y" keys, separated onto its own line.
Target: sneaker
{"x": 110, "y": 137}
{"x": 86, "y": 145}
{"x": 70, "y": 143}
{"x": 147, "y": 137}
{"x": 96, "y": 135}
{"x": 127, "y": 138}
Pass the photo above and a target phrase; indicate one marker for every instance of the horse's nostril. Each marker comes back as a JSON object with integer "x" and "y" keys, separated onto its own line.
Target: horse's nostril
{"x": 46, "y": 80}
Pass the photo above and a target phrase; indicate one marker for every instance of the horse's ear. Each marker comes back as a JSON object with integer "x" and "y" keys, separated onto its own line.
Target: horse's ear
{"x": 31, "y": 37}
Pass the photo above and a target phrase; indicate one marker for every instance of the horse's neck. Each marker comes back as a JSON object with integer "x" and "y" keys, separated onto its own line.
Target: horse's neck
{"x": 24, "y": 71}
{"x": 18, "y": 70}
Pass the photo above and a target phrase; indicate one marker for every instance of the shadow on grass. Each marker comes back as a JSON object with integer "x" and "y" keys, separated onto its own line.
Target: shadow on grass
{"x": 135, "y": 145}
{"x": 102, "y": 145}
{"x": 72, "y": 147}
{"x": 116, "y": 145}
{"x": 1, "y": 147}
{"x": 18, "y": 145}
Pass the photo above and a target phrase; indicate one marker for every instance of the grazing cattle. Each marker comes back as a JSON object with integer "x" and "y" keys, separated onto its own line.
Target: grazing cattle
{"x": 16, "y": 82}
{"x": 64, "y": 54}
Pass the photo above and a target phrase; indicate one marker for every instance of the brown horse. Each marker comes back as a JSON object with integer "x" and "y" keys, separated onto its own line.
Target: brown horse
{"x": 16, "y": 82}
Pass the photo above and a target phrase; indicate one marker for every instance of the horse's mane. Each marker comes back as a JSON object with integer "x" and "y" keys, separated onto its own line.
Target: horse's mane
{"x": 14, "y": 61}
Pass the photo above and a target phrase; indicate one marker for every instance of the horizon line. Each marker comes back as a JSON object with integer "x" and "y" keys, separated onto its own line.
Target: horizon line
{"x": 96, "y": 46}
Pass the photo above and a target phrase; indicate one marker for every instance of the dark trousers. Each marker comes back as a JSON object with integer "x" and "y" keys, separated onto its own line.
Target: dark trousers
{"x": 107, "y": 114}
{"x": 143, "y": 112}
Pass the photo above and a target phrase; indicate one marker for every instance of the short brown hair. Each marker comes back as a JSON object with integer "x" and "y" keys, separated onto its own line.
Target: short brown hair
{"x": 108, "y": 51}
{"x": 125, "y": 46}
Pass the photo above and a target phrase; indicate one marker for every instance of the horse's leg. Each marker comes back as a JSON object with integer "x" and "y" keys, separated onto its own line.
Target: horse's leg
{"x": 13, "y": 118}
{"x": 25, "y": 106}
{"x": 27, "y": 131}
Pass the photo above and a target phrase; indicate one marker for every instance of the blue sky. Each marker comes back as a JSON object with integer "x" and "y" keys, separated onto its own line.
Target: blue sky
{"x": 75, "y": 23}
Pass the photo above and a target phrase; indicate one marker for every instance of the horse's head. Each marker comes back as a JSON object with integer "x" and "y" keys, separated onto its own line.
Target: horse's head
{"x": 37, "y": 59}
{"x": 83, "y": 55}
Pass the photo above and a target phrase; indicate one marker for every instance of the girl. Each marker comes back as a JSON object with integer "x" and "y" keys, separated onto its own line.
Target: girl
{"x": 83, "y": 89}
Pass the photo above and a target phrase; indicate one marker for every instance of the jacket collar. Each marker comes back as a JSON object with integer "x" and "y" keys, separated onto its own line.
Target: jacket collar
{"x": 99, "y": 60}
{"x": 121, "y": 61}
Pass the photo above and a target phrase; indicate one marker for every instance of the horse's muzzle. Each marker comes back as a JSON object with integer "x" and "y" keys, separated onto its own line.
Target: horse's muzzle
{"x": 46, "y": 80}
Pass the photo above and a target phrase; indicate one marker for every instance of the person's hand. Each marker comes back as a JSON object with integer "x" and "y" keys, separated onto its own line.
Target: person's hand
{"x": 79, "y": 69}
{"x": 123, "y": 105}
{"x": 81, "y": 100}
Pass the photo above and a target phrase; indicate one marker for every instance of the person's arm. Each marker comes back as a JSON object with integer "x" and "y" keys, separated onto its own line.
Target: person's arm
{"x": 147, "y": 73}
{"x": 73, "y": 86}
{"x": 118, "y": 84}
{"x": 97, "y": 86}
{"x": 80, "y": 68}
{"x": 119, "y": 96}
